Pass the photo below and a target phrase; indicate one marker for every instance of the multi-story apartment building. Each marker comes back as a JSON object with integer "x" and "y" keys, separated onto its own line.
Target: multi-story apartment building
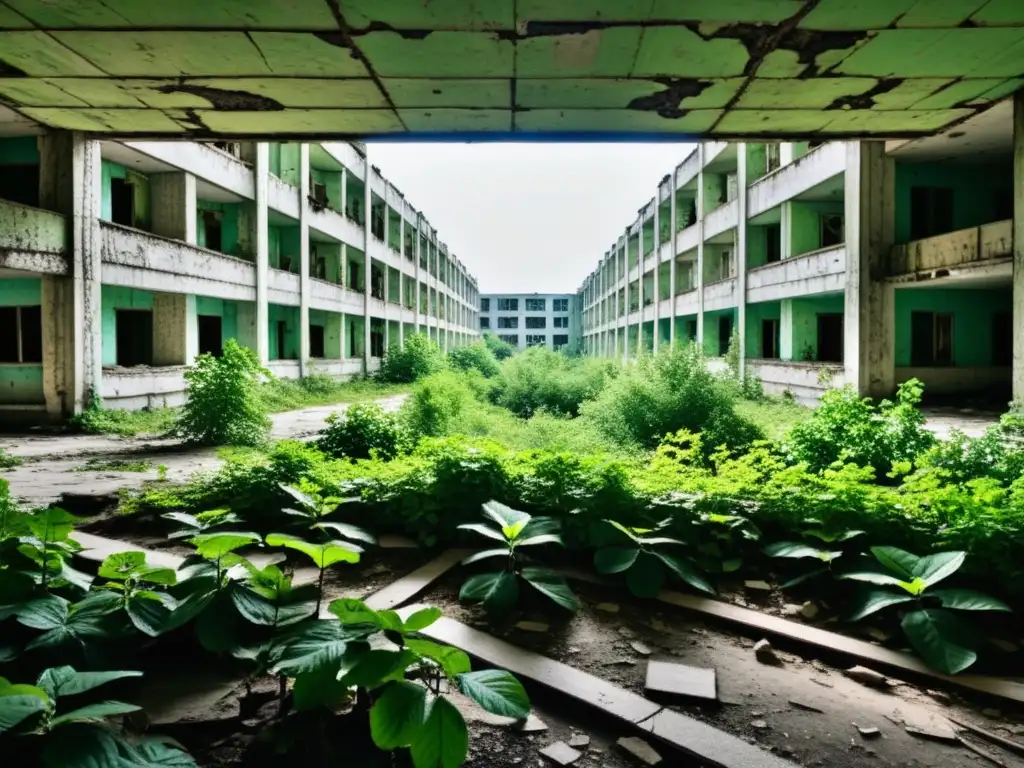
{"x": 532, "y": 319}
{"x": 120, "y": 262}
{"x": 865, "y": 263}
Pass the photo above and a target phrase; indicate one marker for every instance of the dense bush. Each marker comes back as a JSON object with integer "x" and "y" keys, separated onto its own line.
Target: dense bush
{"x": 663, "y": 393}
{"x": 501, "y": 350}
{"x": 223, "y": 405}
{"x": 539, "y": 379}
{"x": 416, "y": 358}
{"x": 475, "y": 357}
{"x": 361, "y": 430}
{"x": 849, "y": 428}
{"x": 436, "y": 403}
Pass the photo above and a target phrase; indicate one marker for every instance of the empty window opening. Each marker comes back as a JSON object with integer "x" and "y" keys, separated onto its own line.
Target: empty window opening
{"x": 561, "y": 322}
{"x": 832, "y": 230}
{"x": 508, "y": 322}
{"x": 560, "y": 305}
{"x": 281, "y": 330}
{"x": 122, "y": 202}
{"x": 485, "y": 322}
{"x": 931, "y": 338}
{"x": 485, "y": 305}
{"x": 316, "y": 341}
{"x": 536, "y": 305}
{"x": 536, "y": 322}
{"x": 691, "y": 330}
{"x": 512, "y": 339}
{"x": 21, "y": 340}
{"x": 931, "y": 211}
{"x": 1002, "y": 338}
{"x": 212, "y": 227}
{"x": 724, "y": 333}
{"x": 535, "y": 340}
{"x": 560, "y": 340}
{"x": 725, "y": 265}
{"x": 830, "y": 337}
{"x": 773, "y": 243}
{"x": 770, "y": 339}
{"x": 20, "y": 184}
{"x": 210, "y": 335}
{"x": 134, "y": 333}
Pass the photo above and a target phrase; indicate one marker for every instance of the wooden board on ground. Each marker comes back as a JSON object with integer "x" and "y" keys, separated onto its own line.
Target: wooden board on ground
{"x": 412, "y": 584}
{"x": 99, "y": 548}
{"x": 697, "y": 739}
{"x": 868, "y": 653}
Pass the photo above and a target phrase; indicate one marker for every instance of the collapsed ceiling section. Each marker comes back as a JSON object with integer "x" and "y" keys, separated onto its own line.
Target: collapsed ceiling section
{"x": 646, "y": 68}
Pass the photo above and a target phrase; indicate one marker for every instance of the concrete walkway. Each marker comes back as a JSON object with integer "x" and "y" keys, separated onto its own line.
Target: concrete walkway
{"x": 55, "y": 466}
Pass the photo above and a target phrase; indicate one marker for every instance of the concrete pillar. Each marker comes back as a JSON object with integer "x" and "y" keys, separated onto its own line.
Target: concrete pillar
{"x": 173, "y": 206}
{"x": 625, "y": 299}
{"x": 700, "y": 246}
{"x": 248, "y": 325}
{"x": 70, "y": 183}
{"x": 786, "y": 230}
{"x": 656, "y": 282}
{"x": 344, "y": 196}
{"x": 1018, "y": 248}
{"x": 741, "y": 255}
{"x": 673, "y": 239}
{"x": 260, "y": 241}
{"x": 367, "y": 202}
{"x": 304, "y": 282}
{"x": 175, "y": 329}
{"x": 786, "y": 351}
{"x": 401, "y": 278}
{"x": 418, "y": 254}
{"x": 386, "y": 274}
{"x": 869, "y": 333}
{"x": 640, "y": 288}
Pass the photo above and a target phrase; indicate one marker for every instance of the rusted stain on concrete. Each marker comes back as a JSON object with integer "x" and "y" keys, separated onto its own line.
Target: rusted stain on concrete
{"x": 667, "y": 102}
{"x": 226, "y": 100}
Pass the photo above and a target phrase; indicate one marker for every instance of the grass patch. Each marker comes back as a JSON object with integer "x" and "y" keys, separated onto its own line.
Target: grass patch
{"x": 774, "y": 416}
{"x": 115, "y": 465}
{"x": 7, "y": 461}
{"x": 103, "y": 421}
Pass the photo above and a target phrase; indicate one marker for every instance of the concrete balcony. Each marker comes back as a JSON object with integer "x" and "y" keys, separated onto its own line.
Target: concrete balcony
{"x": 32, "y": 240}
{"x": 337, "y": 226}
{"x": 332, "y": 297}
{"x": 720, "y": 295}
{"x": 688, "y": 169}
{"x": 722, "y": 219}
{"x": 713, "y": 149}
{"x": 282, "y": 197}
{"x": 665, "y": 251}
{"x": 687, "y": 239}
{"x": 135, "y": 259}
{"x": 686, "y": 303}
{"x": 822, "y": 271}
{"x": 648, "y": 313}
{"x": 817, "y": 166}
{"x": 283, "y": 288}
{"x": 205, "y": 162}
{"x": 976, "y": 246}
{"x": 806, "y": 381}
{"x": 143, "y": 386}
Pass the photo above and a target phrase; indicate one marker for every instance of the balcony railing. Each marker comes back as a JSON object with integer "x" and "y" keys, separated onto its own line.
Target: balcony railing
{"x": 954, "y": 249}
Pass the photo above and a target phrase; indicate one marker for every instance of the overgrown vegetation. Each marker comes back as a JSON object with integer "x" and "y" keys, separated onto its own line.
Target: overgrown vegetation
{"x": 417, "y": 358}
{"x": 361, "y": 431}
{"x": 541, "y": 380}
{"x": 7, "y": 461}
{"x": 475, "y": 357}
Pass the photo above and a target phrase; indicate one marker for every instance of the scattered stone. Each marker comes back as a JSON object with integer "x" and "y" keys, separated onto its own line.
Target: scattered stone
{"x": 639, "y": 749}
{"x": 572, "y": 649}
{"x": 805, "y": 707}
{"x": 993, "y": 713}
{"x": 878, "y": 634}
{"x": 658, "y": 625}
{"x": 608, "y": 607}
{"x": 868, "y": 732}
{"x": 640, "y": 648}
{"x": 533, "y": 626}
{"x": 791, "y": 610}
{"x": 921, "y": 722}
{"x": 867, "y": 677}
{"x": 766, "y": 654}
{"x": 561, "y": 753}
{"x": 757, "y": 714}
{"x": 620, "y": 663}
{"x": 532, "y": 724}
{"x": 626, "y": 632}
{"x": 760, "y": 586}
{"x": 670, "y": 677}
{"x": 579, "y": 740}
{"x": 808, "y": 610}
{"x": 759, "y": 724}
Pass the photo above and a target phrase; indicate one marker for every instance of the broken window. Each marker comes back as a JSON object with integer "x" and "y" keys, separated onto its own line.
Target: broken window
{"x": 724, "y": 333}
{"x": 20, "y": 183}
{"x": 725, "y": 265}
{"x": 770, "y": 339}
{"x": 281, "y": 328}
{"x": 316, "y": 341}
{"x": 485, "y": 322}
{"x": 485, "y": 305}
{"x": 560, "y": 305}
{"x": 512, "y": 339}
{"x": 318, "y": 263}
{"x": 931, "y": 211}
{"x": 691, "y": 330}
{"x": 508, "y": 305}
{"x": 773, "y": 157}
{"x": 355, "y": 280}
{"x": 535, "y": 340}
{"x": 122, "y": 202}
{"x": 536, "y": 305}
{"x": 931, "y": 338}
{"x": 21, "y": 340}
{"x": 536, "y": 322}
{"x": 561, "y": 322}
{"x": 508, "y": 322}
{"x": 134, "y": 335}
{"x": 830, "y": 337}
{"x": 210, "y": 335}
{"x": 559, "y": 340}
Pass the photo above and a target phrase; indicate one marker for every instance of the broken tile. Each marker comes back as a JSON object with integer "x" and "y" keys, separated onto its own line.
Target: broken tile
{"x": 640, "y": 648}
{"x": 561, "y": 753}
{"x": 579, "y": 740}
{"x": 607, "y": 607}
{"x": 639, "y": 749}
{"x": 868, "y": 732}
{"x": 921, "y": 722}
{"x": 805, "y": 707}
{"x": 765, "y": 653}
{"x": 532, "y": 626}
{"x": 760, "y": 586}
{"x": 532, "y": 724}
{"x": 669, "y": 677}
{"x": 867, "y": 677}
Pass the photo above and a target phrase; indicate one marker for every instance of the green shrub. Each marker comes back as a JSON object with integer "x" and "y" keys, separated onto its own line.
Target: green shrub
{"x": 849, "y": 428}
{"x": 475, "y": 357}
{"x": 361, "y": 430}
{"x": 224, "y": 406}
{"x": 501, "y": 350}
{"x": 7, "y": 461}
{"x": 417, "y": 358}
{"x": 97, "y": 420}
{"x": 435, "y": 404}
{"x": 661, "y": 394}
{"x": 539, "y": 379}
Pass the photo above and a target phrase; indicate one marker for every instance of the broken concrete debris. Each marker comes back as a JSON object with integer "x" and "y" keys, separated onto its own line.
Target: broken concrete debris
{"x": 532, "y": 724}
{"x": 561, "y": 753}
{"x": 764, "y": 653}
{"x": 640, "y": 648}
{"x": 532, "y": 626}
{"x": 757, "y": 585}
{"x": 867, "y": 677}
{"x": 607, "y": 607}
{"x": 639, "y": 749}
{"x": 759, "y": 724}
{"x": 674, "y": 679}
{"x": 805, "y": 707}
{"x": 579, "y": 740}
{"x": 868, "y": 732}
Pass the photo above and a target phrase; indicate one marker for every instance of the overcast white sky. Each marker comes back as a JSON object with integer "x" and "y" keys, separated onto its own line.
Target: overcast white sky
{"x": 532, "y": 216}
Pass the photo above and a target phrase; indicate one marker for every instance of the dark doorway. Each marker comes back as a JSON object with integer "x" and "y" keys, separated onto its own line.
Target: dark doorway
{"x": 134, "y": 330}
{"x": 931, "y": 211}
{"x": 931, "y": 338}
{"x": 770, "y": 339}
{"x": 122, "y": 202}
{"x": 316, "y": 341}
{"x": 773, "y": 243}
{"x": 20, "y": 184}
{"x": 211, "y": 340}
{"x": 31, "y": 326}
{"x": 1002, "y": 338}
{"x": 724, "y": 333}
{"x": 830, "y": 337}
{"x": 833, "y": 231}
{"x": 213, "y": 229}
{"x": 282, "y": 329}
{"x": 691, "y": 330}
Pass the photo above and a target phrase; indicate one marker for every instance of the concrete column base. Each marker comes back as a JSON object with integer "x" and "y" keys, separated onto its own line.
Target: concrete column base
{"x": 175, "y": 329}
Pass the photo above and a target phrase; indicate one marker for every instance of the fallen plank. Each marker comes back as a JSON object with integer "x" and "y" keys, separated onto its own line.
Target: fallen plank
{"x": 697, "y": 739}
{"x": 99, "y": 548}
{"x": 409, "y": 586}
{"x": 868, "y": 653}
{"x": 995, "y": 738}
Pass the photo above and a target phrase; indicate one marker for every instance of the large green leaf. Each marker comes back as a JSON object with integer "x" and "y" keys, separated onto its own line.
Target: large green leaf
{"x": 497, "y": 691}
{"x": 83, "y": 745}
{"x": 452, "y": 660}
{"x": 43, "y": 613}
{"x": 968, "y": 600}
{"x": 615, "y": 559}
{"x": 348, "y": 531}
{"x": 350, "y": 610}
{"x": 540, "y": 526}
{"x": 940, "y": 639}
{"x": 899, "y": 561}
{"x": 684, "y": 568}
{"x": 188, "y": 609}
{"x": 549, "y": 583}
{"x": 398, "y": 715}
{"x": 796, "y": 549}
{"x": 320, "y": 688}
{"x": 421, "y": 619}
{"x": 253, "y": 606}
{"x": 308, "y": 647}
{"x": 443, "y": 741}
{"x": 484, "y": 530}
{"x": 647, "y": 576}
{"x": 540, "y": 538}
{"x": 632, "y": 533}
{"x": 498, "y": 591}
{"x": 935, "y": 568}
{"x": 20, "y": 702}
{"x": 157, "y": 752}
{"x": 875, "y": 600}
{"x": 214, "y": 545}
{"x": 871, "y": 576}
{"x": 166, "y": 576}
{"x": 504, "y": 515}
{"x": 375, "y": 666}
{"x": 67, "y": 681}
{"x": 307, "y": 501}
{"x": 74, "y": 577}
{"x": 486, "y": 553}
{"x": 97, "y": 711}
{"x": 148, "y": 616}
{"x": 52, "y": 524}
{"x": 323, "y": 554}
{"x": 120, "y": 565}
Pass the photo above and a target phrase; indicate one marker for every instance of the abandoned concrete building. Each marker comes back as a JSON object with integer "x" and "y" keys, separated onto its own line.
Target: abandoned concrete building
{"x": 524, "y": 320}
{"x": 180, "y": 246}
{"x": 862, "y": 263}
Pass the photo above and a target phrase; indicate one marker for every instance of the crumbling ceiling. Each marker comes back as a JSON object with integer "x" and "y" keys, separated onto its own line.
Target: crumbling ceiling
{"x": 677, "y": 68}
